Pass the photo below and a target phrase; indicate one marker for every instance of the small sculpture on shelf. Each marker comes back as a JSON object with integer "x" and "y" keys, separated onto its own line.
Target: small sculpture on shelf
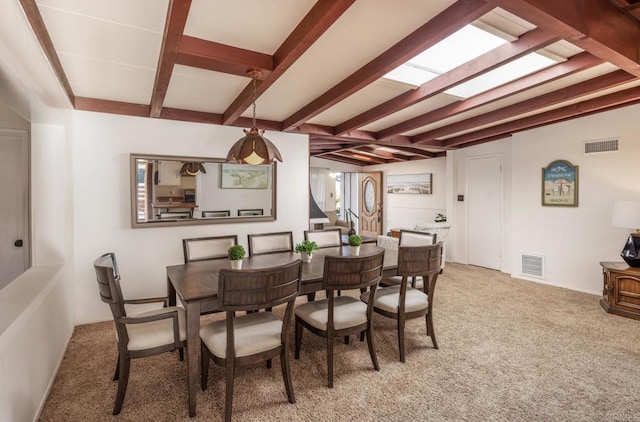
{"x": 440, "y": 218}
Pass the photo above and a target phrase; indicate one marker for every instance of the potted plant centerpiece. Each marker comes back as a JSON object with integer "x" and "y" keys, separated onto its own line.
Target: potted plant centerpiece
{"x": 354, "y": 243}
{"x": 305, "y": 249}
{"x": 236, "y": 255}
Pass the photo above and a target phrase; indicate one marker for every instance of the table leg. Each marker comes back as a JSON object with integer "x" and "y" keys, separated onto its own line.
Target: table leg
{"x": 171, "y": 293}
{"x": 193, "y": 346}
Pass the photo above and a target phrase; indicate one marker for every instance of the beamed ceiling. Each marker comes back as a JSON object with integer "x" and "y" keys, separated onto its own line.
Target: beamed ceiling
{"x": 322, "y": 64}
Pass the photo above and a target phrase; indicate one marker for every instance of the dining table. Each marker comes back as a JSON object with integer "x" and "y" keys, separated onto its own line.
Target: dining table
{"x": 196, "y": 286}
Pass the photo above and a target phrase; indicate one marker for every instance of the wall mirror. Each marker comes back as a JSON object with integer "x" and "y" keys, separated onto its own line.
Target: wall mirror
{"x": 173, "y": 190}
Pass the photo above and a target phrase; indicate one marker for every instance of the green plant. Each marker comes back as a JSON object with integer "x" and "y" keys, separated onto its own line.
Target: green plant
{"x": 307, "y": 246}
{"x": 236, "y": 252}
{"x": 355, "y": 240}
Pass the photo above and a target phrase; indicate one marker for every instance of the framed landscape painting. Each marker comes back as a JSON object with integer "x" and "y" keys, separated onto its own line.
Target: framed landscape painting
{"x": 409, "y": 183}
{"x": 560, "y": 184}
{"x": 244, "y": 176}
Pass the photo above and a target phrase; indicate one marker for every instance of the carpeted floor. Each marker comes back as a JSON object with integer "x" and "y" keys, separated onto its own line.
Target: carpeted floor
{"x": 510, "y": 350}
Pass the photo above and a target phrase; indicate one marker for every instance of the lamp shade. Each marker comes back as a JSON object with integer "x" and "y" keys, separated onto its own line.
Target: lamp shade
{"x": 626, "y": 214}
{"x": 254, "y": 149}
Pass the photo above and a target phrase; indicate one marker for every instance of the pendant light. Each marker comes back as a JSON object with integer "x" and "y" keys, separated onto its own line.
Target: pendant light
{"x": 253, "y": 148}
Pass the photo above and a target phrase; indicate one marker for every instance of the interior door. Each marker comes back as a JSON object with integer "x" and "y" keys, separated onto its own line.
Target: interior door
{"x": 370, "y": 204}
{"x": 484, "y": 204}
{"x": 14, "y": 228}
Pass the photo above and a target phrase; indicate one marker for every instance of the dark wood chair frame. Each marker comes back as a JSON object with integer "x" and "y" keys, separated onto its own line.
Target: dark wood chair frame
{"x": 219, "y": 213}
{"x": 416, "y": 261}
{"x": 435, "y": 235}
{"x": 250, "y": 238}
{"x": 108, "y": 277}
{"x": 248, "y": 290}
{"x": 345, "y": 273}
{"x": 386, "y": 283}
{"x": 175, "y": 214}
{"x": 339, "y": 233}
{"x": 186, "y": 243}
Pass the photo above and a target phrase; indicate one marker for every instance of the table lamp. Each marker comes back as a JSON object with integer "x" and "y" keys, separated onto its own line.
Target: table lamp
{"x": 627, "y": 214}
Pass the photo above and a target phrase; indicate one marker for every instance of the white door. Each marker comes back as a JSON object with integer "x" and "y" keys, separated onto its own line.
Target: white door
{"x": 14, "y": 236}
{"x": 484, "y": 204}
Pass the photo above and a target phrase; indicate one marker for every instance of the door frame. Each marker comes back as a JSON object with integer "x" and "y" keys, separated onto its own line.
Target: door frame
{"x": 501, "y": 227}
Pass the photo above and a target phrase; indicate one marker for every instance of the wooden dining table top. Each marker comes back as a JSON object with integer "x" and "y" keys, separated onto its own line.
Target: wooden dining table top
{"x": 198, "y": 280}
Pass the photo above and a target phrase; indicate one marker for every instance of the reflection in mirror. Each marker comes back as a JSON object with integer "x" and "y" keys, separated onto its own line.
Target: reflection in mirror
{"x": 169, "y": 190}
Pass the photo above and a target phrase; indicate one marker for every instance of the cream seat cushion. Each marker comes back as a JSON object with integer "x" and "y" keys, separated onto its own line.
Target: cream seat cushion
{"x": 254, "y": 333}
{"x": 155, "y": 333}
{"x": 387, "y": 299}
{"x": 347, "y": 312}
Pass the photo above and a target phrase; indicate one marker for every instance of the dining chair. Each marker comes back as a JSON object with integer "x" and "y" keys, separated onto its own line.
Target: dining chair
{"x": 140, "y": 334}
{"x": 208, "y": 214}
{"x": 324, "y": 238}
{"x": 245, "y": 213}
{"x": 265, "y": 243}
{"x": 340, "y": 316}
{"x": 411, "y": 238}
{"x": 174, "y": 215}
{"x": 254, "y": 337}
{"x": 205, "y": 248}
{"x": 402, "y": 302}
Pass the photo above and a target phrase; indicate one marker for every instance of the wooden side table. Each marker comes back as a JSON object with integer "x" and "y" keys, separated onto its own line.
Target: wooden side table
{"x": 621, "y": 289}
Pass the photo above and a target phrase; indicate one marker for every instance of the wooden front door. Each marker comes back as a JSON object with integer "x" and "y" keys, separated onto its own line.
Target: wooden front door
{"x": 370, "y": 204}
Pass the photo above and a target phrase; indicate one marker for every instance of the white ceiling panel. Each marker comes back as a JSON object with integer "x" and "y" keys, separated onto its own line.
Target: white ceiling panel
{"x": 422, "y": 107}
{"x": 98, "y": 39}
{"x": 107, "y": 80}
{"x": 202, "y": 90}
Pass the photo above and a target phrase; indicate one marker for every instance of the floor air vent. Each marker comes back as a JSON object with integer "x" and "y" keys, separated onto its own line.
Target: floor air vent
{"x": 602, "y": 145}
{"x": 532, "y": 265}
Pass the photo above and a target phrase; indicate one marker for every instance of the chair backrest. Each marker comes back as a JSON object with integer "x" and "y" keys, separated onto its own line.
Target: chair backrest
{"x": 108, "y": 278}
{"x": 422, "y": 261}
{"x": 250, "y": 289}
{"x": 204, "y": 248}
{"x": 174, "y": 214}
{"x": 324, "y": 238}
{"x": 222, "y": 213}
{"x": 244, "y": 213}
{"x": 264, "y": 243}
{"x": 352, "y": 272}
{"x": 415, "y": 238}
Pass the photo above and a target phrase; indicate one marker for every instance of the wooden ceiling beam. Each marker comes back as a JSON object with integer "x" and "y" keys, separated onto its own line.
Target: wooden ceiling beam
{"x": 113, "y": 107}
{"x": 361, "y": 157}
{"x": 340, "y": 158}
{"x": 609, "y": 80}
{"x": 320, "y": 18}
{"x": 174, "y": 27}
{"x": 499, "y": 56}
{"x": 446, "y": 23}
{"x": 606, "y": 102}
{"x": 596, "y": 26}
{"x": 382, "y": 153}
{"x": 209, "y": 55}
{"x": 577, "y": 63}
{"x": 418, "y": 151}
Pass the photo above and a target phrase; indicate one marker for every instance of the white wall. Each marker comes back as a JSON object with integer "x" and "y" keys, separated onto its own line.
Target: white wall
{"x": 102, "y": 144}
{"x": 575, "y": 239}
{"x": 405, "y": 211}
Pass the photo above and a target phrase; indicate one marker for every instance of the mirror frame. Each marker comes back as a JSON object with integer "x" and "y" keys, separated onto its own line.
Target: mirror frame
{"x": 135, "y": 224}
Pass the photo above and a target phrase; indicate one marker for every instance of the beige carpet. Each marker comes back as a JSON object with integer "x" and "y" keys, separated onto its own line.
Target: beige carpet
{"x": 510, "y": 350}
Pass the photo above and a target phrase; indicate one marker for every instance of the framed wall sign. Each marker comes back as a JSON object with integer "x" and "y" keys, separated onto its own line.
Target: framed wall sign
{"x": 560, "y": 184}
{"x": 409, "y": 183}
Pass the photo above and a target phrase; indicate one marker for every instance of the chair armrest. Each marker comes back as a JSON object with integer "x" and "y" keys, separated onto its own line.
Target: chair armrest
{"x": 163, "y": 299}
{"x": 173, "y": 314}
{"x": 341, "y": 223}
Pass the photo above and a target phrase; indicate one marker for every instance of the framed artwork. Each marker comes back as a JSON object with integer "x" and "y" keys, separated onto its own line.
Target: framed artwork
{"x": 409, "y": 183}
{"x": 244, "y": 176}
{"x": 560, "y": 184}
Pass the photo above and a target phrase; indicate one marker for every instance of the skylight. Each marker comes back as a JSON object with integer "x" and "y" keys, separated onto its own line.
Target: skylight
{"x": 458, "y": 48}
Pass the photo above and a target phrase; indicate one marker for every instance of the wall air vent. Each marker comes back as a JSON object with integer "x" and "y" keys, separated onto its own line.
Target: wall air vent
{"x": 602, "y": 145}
{"x": 532, "y": 265}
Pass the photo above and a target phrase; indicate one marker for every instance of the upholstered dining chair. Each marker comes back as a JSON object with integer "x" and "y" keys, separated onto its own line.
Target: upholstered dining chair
{"x": 174, "y": 215}
{"x": 138, "y": 335}
{"x": 205, "y": 248}
{"x": 265, "y": 243}
{"x": 254, "y": 337}
{"x": 222, "y": 213}
{"x": 324, "y": 238}
{"x": 411, "y": 238}
{"x": 402, "y": 302}
{"x": 340, "y": 316}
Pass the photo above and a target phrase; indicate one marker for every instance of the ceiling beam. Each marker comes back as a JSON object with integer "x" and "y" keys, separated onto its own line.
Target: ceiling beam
{"x": 499, "y": 56}
{"x": 596, "y": 26}
{"x": 339, "y": 158}
{"x": 176, "y": 20}
{"x": 609, "y": 80}
{"x": 361, "y": 157}
{"x": 382, "y": 153}
{"x": 40, "y": 30}
{"x": 446, "y": 23}
{"x": 606, "y": 102}
{"x": 321, "y": 16}
{"x": 209, "y": 55}
{"x": 577, "y": 63}
{"x": 113, "y": 107}
{"x": 418, "y": 151}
